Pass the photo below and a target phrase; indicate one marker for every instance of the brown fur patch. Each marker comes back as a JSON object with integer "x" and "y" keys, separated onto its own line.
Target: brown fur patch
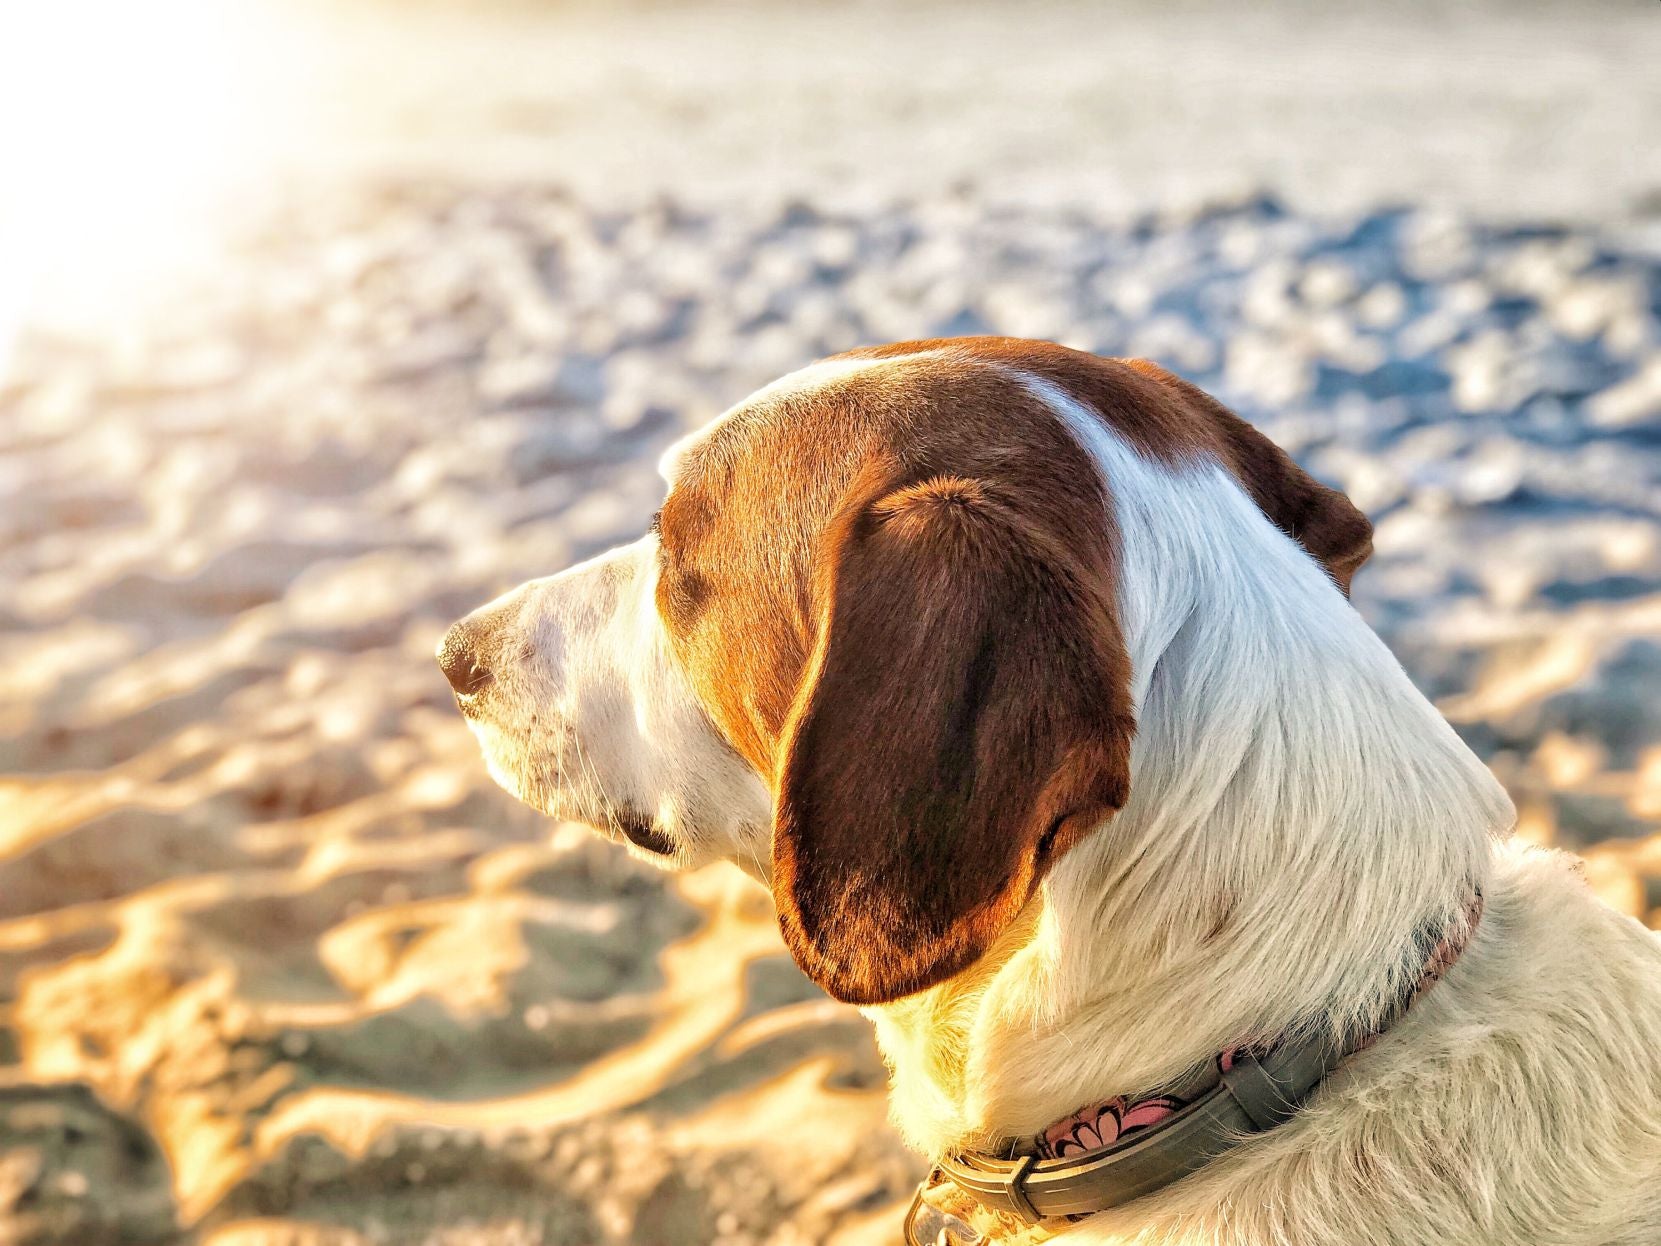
{"x": 1167, "y": 418}
{"x": 895, "y": 593}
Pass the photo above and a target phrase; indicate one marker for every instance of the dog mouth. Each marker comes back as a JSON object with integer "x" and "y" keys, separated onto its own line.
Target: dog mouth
{"x": 555, "y": 799}
{"x": 640, "y": 831}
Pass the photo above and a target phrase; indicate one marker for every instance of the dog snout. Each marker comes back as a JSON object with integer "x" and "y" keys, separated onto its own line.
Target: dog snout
{"x": 463, "y": 656}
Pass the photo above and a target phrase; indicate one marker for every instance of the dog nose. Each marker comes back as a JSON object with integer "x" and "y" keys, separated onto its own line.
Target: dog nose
{"x": 460, "y": 660}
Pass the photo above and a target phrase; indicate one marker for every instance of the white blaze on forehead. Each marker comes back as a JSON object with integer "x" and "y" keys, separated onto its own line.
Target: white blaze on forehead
{"x": 802, "y": 381}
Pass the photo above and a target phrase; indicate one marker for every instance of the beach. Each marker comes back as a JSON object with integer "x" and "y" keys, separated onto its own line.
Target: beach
{"x": 279, "y": 964}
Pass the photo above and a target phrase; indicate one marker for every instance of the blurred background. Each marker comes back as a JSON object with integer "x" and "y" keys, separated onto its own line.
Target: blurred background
{"x": 321, "y": 323}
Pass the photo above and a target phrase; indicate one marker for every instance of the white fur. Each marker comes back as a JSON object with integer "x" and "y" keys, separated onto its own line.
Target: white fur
{"x": 587, "y": 713}
{"x": 1297, "y": 812}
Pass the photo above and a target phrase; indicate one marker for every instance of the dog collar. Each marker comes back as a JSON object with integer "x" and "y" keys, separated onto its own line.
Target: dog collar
{"x": 1123, "y": 1148}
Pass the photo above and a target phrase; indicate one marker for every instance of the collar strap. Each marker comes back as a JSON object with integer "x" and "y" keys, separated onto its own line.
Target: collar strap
{"x": 1255, "y": 1092}
{"x": 1254, "y": 1095}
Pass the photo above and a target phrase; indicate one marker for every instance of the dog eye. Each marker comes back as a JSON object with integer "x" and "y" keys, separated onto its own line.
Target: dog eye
{"x": 655, "y": 524}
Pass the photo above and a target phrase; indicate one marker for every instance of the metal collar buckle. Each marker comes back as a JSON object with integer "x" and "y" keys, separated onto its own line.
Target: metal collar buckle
{"x": 916, "y": 1208}
{"x": 998, "y": 1187}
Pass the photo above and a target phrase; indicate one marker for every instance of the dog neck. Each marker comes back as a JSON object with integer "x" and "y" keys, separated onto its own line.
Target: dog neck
{"x": 1298, "y": 812}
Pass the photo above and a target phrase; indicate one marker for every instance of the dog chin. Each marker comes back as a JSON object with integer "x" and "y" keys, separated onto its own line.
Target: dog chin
{"x": 636, "y": 831}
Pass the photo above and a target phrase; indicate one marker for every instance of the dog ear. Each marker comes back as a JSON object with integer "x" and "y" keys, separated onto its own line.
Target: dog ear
{"x": 1322, "y": 520}
{"x": 964, "y": 720}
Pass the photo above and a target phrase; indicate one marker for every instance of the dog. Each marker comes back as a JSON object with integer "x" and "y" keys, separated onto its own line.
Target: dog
{"x": 1028, "y": 682}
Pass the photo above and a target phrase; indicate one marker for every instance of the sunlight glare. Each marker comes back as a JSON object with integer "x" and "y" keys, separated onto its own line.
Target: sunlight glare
{"x": 126, "y": 127}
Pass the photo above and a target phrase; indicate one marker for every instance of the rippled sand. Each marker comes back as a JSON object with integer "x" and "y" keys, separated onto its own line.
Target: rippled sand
{"x": 279, "y": 964}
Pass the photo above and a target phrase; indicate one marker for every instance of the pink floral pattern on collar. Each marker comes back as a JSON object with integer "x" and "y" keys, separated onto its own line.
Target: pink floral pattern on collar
{"x": 1103, "y": 1124}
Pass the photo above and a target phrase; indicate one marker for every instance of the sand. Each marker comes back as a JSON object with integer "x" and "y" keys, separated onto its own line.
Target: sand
{"x": 278, "y": 963}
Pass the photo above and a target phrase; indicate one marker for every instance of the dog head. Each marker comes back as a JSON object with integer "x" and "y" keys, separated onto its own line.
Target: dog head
{"x": 871, "y": 647}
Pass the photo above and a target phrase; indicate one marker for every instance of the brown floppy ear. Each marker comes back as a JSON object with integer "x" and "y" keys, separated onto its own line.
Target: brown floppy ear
{"x": 1322, "y": 520}
{"x": 964, "y": 720}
